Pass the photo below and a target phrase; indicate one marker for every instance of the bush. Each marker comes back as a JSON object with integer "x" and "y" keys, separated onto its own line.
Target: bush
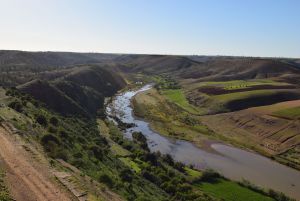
{"x": 168, "y": 159}
{"x": 209, "y": 176}
{"x": 54, "y": 121}
{"x": 42, "y": 120}
{"x": 179, "y": 166}
{"x": 97, "y": 151}
{"x": 52, "y": 129}
{"x": 104, "y": 178}
{"x": 126, "y": 175}
{"x": 140, "y": 139}
{"x": 49, "y": 138}
{"x": 149, "y": 176}
{"x": 16, "y": 105}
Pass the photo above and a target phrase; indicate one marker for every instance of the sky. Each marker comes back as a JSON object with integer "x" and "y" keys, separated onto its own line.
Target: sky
{"x": 267, "y": 28}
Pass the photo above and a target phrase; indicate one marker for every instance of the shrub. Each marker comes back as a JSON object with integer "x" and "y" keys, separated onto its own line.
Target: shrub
{"x": 49, "y": 138}
{"x": 52, "y": 129}
{"x": 140, "y": 139}
{"x": 138, "y": 136}
{"x": 126, "y": 175}
{"x": 149, "y": 176}
{"x": 209, "y": 176}
{"x": 179, "y": 166}
{"x": 104, "y": 178}
{"x": 16, "y": 105}
{"x": 63, "y": 134}
{"x": 168, "y": 159}
{"x": 42, "y": 120}
{"x": 97, "y": 151}
{"x": 54, "y": 121}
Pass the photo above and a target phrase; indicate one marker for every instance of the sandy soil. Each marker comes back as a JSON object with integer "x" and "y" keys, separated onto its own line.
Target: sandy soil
{"x": 27, "y": 179}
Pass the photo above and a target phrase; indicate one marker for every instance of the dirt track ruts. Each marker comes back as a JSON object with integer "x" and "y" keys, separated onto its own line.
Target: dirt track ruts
{"x": 27, "y": 182}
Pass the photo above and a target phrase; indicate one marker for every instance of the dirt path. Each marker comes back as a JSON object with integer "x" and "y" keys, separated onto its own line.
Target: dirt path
{"x": 27, "y": 179}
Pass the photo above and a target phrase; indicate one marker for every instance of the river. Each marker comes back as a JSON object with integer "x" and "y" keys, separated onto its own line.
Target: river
{"x": 232, "y": 162}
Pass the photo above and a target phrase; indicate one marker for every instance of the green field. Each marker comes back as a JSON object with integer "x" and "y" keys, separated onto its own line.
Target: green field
{"x": 176, "y": 96}
{"x": 290, "y": 113}
{"x": 243, "y": 95}
{"x": 238, "y": 84}
{"x": 230, "y": 191}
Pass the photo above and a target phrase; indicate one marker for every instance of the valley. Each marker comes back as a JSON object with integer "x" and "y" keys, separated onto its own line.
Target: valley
{"x": 73, "y": 113}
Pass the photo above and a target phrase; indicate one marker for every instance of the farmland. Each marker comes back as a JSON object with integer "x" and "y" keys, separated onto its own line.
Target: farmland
{"x": 230, "y": 191}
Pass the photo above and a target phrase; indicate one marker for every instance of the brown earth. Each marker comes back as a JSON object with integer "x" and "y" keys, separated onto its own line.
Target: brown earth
{"x": 258, "y": 128}
{"x": 27, "y": 178}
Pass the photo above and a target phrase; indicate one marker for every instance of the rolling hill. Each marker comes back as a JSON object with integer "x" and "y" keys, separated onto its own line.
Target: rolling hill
{"x": 80, "y": 92}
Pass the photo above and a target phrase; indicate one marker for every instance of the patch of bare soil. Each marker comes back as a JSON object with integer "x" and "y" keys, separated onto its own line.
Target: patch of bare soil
{"x": 269, "y": 109}
{"x": 27, "y": 178}
{"x": 256, "y": 129}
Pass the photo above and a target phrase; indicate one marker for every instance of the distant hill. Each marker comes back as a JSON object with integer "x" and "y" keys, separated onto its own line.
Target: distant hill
{"x": 211, "y": 68}
{"x": 82, "y": 80}
{"x": 11, "y": 59}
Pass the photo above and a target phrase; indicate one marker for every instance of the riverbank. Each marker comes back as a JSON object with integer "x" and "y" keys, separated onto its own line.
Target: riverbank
{"x": 246, "y": 165}
{"x": 168, "y": 117}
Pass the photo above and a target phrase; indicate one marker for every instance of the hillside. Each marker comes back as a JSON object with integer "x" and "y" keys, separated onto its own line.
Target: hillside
{"x": 80, "y": 92}
{"x": 18, "y": 67}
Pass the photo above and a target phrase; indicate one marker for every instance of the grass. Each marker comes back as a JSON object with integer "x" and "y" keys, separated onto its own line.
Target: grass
{"x": 289, "y": 113}
{"x": 237, "y": 84}
{"x": 243, "y": 95}
{"x": 4, "y": 195}
{"x": 169, "y": 119}
{"x": 192, "y": 173}
{"x": 132, "y": 164}
{"x": 176, "y": 96}
{"x": 231, "y": 191}
{"x": 114, "y": 147}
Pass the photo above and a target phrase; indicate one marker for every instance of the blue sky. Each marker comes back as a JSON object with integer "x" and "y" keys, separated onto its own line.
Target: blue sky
{"x": 202, "y": 27}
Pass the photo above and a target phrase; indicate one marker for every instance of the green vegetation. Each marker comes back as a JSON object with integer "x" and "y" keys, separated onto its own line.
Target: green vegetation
{"x": 79, "y": 142}
{"x": 230, "y": 191}
{"x": 168, "y": 118}
{"x": 241, "y": 84}
{"x": 165, "y": 82}
{"x": 176, "y": 96}
{"x": 289, "y": 113}
{"x": 4, "y": 195}
{"x": 242, "y": 95}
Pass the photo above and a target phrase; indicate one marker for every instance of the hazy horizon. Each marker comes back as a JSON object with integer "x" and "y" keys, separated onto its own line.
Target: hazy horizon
{"x": 213, "y": 28}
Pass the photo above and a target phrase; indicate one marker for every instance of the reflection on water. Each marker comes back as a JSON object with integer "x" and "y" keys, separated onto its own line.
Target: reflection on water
{"x": 233, "y": 163}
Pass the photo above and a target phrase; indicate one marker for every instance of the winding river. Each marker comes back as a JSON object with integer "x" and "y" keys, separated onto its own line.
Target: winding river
{"x": 233, "y": 163}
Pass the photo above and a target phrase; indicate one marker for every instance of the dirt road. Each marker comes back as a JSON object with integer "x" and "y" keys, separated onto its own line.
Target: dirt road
{"x": 27, "y": 179}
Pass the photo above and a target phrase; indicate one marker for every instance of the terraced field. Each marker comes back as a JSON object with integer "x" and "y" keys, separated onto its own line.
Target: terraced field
{"x": 238, "y": 94}
{"x": 290, "y": 113}
{"x": 271, "y": 129}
